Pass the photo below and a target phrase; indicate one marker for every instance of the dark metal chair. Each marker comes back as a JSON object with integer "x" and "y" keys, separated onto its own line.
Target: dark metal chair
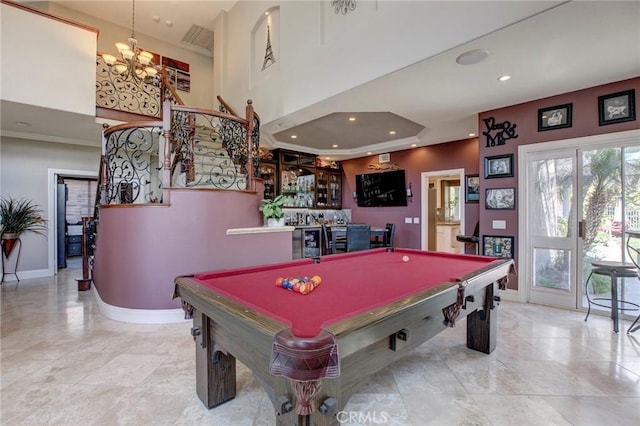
{"x": 387, "y": 240}
{"x": 330, "y": 240}
{"x": 358, "y": 237}
{"x": 613, "y": 270}
{"x": 473, "y": 240}
{"x": 633, "y": 250}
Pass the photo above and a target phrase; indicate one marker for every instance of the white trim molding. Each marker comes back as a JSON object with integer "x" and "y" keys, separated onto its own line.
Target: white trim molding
{"x": 138, "y": 316}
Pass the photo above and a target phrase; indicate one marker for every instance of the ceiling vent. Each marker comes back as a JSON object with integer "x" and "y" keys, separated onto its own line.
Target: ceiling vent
{"x": 199, "y": 37}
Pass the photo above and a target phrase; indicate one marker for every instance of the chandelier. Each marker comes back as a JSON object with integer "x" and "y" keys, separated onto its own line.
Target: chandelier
{"x": 133, "y": 61}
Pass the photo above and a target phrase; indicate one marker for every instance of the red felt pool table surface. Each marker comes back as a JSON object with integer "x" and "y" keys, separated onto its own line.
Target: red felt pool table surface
{"x": 352, "y": 284}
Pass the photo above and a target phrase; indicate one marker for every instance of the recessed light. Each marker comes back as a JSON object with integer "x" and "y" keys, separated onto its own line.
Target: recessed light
{"x": 294, "y": 137}
{"x": 413, "y": 145}
{"x": 327, "y": 158}
{"x": 472, "y": 135}
{"x": 23, "y": 123}
{"x": 472, "y": 57}
{"x": 156, "y": 18}
{"x": 168, "y": 23}
{"x": 392, "y": 132}
{"x": 369, "y": 153}
{"x": 352, "y": 119}
{"x": 504, "y": 77}
{"x": 334, "y": 145}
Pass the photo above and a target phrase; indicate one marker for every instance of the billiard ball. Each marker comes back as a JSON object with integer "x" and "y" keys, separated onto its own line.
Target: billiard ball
{"x": 405, "y": 258}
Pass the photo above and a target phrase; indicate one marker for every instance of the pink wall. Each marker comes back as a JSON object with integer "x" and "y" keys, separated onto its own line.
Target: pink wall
{"x": 585, "y": 122}
{"x": 141, "y": 249}
{"x": 469, "y": 154}
{"x": 451, "y": 155}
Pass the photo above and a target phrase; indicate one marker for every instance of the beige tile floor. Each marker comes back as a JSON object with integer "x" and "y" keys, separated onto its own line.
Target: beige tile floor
{"x": 63, "y": 363}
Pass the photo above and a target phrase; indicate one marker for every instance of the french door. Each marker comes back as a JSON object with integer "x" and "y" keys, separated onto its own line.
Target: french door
{"x": 552, "y": 223}
{"x": 579, "y": 197}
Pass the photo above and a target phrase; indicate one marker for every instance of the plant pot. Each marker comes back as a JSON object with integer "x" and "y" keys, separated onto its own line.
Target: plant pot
{"x": 8, "y": 242}
{"x": 275, "y": 222}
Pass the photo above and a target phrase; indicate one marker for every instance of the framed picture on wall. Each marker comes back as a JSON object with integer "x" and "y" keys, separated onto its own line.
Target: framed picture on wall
{"x": 498, "y": 166}
{"x": 617, "y": 107}
{"x": 500, "y": 199}
{"x": 472, "y": 192}
{"x": 497, "y": 246}
{"x": 556, "y": 117}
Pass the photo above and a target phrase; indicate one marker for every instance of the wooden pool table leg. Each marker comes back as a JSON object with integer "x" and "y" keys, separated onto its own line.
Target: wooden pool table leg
{"x": 482, "y": 330}
{"x": 215, "y": 370}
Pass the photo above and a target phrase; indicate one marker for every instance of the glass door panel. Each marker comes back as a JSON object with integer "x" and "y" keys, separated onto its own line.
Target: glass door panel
{"x": 322, "y": 188}
{"x": 611, "y": 205}
{"x": 551, "y": 218}
{"x": 552, "y": 268}
{"x": 335, "y": 190}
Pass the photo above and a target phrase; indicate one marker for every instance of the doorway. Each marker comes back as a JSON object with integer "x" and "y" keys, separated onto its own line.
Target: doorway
{"x": 56, "y": 232}
{"x": 442, "y": 210}
{"x": 579, "y": 197}
{"x": 76, "y": 199}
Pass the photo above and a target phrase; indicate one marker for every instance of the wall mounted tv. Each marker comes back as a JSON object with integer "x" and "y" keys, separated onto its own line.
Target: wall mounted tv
{"x": 383, "y": 189}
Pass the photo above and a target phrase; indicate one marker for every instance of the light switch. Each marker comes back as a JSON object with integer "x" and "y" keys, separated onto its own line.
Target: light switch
{"x": 416, "y": 220}
{"x": 407, "y": 220}
{"x": 499, "y": 224}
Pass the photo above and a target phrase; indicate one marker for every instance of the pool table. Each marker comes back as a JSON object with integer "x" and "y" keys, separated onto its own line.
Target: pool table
{"x": 311, "y": 351}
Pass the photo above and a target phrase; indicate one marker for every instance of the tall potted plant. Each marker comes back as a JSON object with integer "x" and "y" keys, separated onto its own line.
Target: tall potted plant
{"x": 16, "y": 218}
{"x": 272, "y": 210}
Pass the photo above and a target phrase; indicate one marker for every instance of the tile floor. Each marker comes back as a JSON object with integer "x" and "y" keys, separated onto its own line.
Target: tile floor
{"x": 63, "y": 363}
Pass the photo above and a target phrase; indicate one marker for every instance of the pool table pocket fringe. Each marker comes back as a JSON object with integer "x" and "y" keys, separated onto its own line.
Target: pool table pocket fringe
{"x": 452, "y": 312}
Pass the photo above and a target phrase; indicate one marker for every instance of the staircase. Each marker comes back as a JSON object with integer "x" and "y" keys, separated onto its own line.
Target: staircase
{"x": 212, "y": 165}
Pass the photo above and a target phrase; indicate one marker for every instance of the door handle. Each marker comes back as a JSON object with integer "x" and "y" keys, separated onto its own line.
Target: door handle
{"x": 582, "y": 229}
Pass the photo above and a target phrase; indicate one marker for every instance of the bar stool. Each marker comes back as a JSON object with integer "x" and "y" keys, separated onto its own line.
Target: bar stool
{"x": 472, "y": 240}
{"x": 613, "y": 270}
{"x": 634, "y": 255}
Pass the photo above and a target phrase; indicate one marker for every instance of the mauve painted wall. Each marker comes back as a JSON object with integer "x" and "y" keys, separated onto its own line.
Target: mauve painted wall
{"x": 585, "y": 122}
{"x": 141, "y": 249}
{"x": 451, "y": 155}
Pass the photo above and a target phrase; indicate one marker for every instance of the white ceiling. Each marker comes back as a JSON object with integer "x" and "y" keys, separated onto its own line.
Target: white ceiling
{"x": 571, "y": 46}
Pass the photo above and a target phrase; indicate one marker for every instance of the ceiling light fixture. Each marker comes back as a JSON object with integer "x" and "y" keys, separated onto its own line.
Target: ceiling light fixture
{"x": 413, "y": 145}
{"x": 133, "y": 61}
{"x": 294, "y": 137}
{"x": 392, "y": 132}
{"x": 504, "y": 77}
{"x": 334, "y": 145}
{"x": 472, "y": 135}
{"x": 352, "y": 119}
{"x": 23, "y": 123}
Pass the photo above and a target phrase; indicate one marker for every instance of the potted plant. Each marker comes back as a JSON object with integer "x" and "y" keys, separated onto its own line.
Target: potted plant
{"x": 272, "y": 209}
{"x": 16, "y": 218}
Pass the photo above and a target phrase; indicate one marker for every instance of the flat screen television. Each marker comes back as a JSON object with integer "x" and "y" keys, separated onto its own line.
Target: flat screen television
{"x": 382, "y": 189}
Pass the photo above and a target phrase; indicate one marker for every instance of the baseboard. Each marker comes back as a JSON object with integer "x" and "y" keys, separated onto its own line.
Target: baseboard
{"x": 26, "y": 275}
{"x": 510, "y": 295}
{"x": 138, "y": 316}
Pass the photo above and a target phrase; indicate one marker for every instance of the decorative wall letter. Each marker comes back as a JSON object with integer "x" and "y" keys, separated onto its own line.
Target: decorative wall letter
{"x": 503, "y": 131}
